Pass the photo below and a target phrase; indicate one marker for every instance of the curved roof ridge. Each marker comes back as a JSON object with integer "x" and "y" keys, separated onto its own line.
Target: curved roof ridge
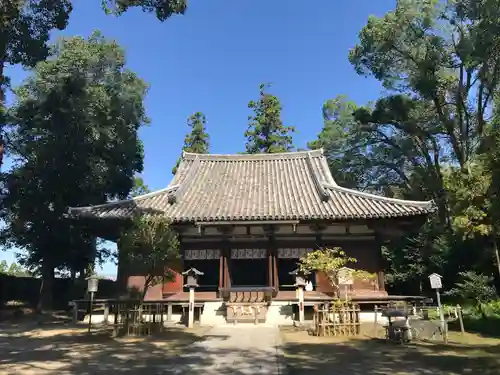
{"x": 259, "y": 156}
{"x": 379, "y": 197}
{"x": 168, "y": 189}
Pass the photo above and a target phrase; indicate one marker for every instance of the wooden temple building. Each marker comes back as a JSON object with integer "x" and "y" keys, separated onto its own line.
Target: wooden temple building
{"x": 245, "y": 220}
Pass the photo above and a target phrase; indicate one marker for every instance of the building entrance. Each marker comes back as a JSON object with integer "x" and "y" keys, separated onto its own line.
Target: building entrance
{"x": 249, "y": 267}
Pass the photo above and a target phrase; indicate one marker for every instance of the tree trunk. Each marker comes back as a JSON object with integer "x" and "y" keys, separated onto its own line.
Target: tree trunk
{"x": 497, "y": 255}
{"x": 147, "y": 282}
{"x": 45, "y": 300}
{"x": 2, "y": 105}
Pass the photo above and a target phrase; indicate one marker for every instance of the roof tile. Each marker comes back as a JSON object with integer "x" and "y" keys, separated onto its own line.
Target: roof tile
{"x": 287, "y": 186}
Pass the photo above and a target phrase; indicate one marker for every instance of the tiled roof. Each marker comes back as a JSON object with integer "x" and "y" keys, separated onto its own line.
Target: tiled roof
{"x": 286, "y": 186}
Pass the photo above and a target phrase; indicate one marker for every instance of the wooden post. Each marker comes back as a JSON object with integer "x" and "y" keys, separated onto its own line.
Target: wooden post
{"x": 169, "y": 312}
{"x": 460, "y": 319}
{"x": 106, "y": 313}
{"x": 375, "y": 321}
{"x": 191, "y": 308}
{"x": 300, "y": 294}
{"x": 75, "y": 312}
{"x": 444, "y": 325}
{"x": 270, "y": 267}
{"x": 221, "y": 270}
{"x": 227, "y": 276}
{"x": 91, "y": 307}
{"x": 275, "y": 270}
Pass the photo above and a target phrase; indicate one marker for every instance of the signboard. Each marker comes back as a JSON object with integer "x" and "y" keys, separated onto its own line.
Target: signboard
{"x": 345, "y": 276}
{"x": 92, "y": 284}
{"x": 435, "y": 281}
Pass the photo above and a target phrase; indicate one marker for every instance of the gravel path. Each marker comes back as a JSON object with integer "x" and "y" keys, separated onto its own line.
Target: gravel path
{"x": 236, "y": 350}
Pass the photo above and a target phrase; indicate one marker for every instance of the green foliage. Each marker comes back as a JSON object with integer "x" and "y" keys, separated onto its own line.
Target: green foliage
{"x": 139, "y": 187}
{"x": 24, "y": 32}
{"x": 341, "y": 143}
{"x": 431, "y": 136}
{"x": 152, "y": 246}
{"x": 329, "y": 261}
{"x": 474, "y": 288}
{"x": 13, "y": 270}
{"x": 74, "y": 136}
{"x": 435, "y": 62}
{"x": 4, "y": 266}
{"x": 163, "y": 9}
{"x": 197, "y": 140}
{"x": 469, "y": 200}
{"x": 266, "y": 132}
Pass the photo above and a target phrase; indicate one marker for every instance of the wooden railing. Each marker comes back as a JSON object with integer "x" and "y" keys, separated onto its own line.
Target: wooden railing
{"x": 129, "y": 316}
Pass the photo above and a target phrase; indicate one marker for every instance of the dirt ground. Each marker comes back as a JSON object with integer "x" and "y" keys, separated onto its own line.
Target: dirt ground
{"x": 61, "y": 349}
{"x": 368, "y": 354}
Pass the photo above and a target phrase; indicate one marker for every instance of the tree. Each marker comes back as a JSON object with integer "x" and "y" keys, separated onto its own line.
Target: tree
{"x": 426, "y": 138}
{"x": 442, "y": 65}
{"x": 4, "y": 266}
{"x": 163, "y": 9}
{"x": 329, "y": 262}
{"x": 74, "y": 128}
{"x": 24, "y": 33}
{"x": 151, "y": 247}
{"x": 342, "y": 141}
{"x": 266, "y": 132}
{"x": 475, "y": 288}
{"x": 197, "y": 140}
{"x": 16, "y": 270}
{"x": 139, "y": 187}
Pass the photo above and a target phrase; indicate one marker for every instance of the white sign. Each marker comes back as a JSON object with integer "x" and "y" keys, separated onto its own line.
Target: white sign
{"x": 345, "y": 276}
{"x": 435, "y": 280}
{"x": 92, "y": 283}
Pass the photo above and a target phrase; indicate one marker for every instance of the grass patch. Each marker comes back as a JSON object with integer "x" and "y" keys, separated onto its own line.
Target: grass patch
{"x": 369, "y": 355}
{"x": 488, "y": 327}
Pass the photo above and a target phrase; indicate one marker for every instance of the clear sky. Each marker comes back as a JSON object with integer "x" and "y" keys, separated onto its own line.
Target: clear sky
{"x": 214, "y": 57}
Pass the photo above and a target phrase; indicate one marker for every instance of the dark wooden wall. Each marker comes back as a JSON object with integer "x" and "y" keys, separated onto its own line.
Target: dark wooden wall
{"x": 367, "y": 252}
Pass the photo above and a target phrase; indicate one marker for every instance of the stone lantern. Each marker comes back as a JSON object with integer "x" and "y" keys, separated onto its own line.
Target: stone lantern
{"x": 300, "y": 279}
{"x": 92, "y": 286}
{"x": 300, "y": 284}
{"x": 192, "y": 275}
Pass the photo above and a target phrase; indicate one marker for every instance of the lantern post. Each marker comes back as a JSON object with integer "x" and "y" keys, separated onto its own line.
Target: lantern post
{"x": 436, "y": 284}
{"x": 92, "y": 286}
{"x": 192, "y": 275}
{"x": 300, "y": 283}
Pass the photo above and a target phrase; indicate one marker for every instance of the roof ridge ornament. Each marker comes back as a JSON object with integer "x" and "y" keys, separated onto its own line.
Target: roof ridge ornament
{"x": 426, "y": 204}
{"x": 193, "y": 169}
{"x": 322, "y": 191}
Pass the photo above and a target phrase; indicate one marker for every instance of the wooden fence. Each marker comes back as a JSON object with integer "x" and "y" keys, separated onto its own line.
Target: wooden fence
{"x": 338, "y": 319}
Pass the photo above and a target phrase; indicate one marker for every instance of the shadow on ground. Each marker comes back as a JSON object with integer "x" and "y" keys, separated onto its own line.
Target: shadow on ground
{"x": 72, "y": 351}
{"x": 370, "y": 356}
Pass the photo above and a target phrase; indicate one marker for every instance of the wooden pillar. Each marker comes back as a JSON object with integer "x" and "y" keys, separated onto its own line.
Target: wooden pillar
{"x": 380, "y": 265}
{"x": 275, "y": 269}
{"x": 221, "y": 269}
{"x": 121, "y": 272}
{"x": 226, "y": 248}
{"x": 270, "y": 267}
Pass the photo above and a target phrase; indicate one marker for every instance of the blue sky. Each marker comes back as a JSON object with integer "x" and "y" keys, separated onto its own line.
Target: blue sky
{"x": 214, "y": 57}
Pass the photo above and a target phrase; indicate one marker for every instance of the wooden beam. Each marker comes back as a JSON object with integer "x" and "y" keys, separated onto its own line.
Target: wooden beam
{"x": 225, "y": 229}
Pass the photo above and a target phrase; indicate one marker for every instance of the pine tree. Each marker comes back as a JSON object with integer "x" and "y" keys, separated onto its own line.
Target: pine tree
{"x": 266, "y": 132}
{"x": 197, "y": 140}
